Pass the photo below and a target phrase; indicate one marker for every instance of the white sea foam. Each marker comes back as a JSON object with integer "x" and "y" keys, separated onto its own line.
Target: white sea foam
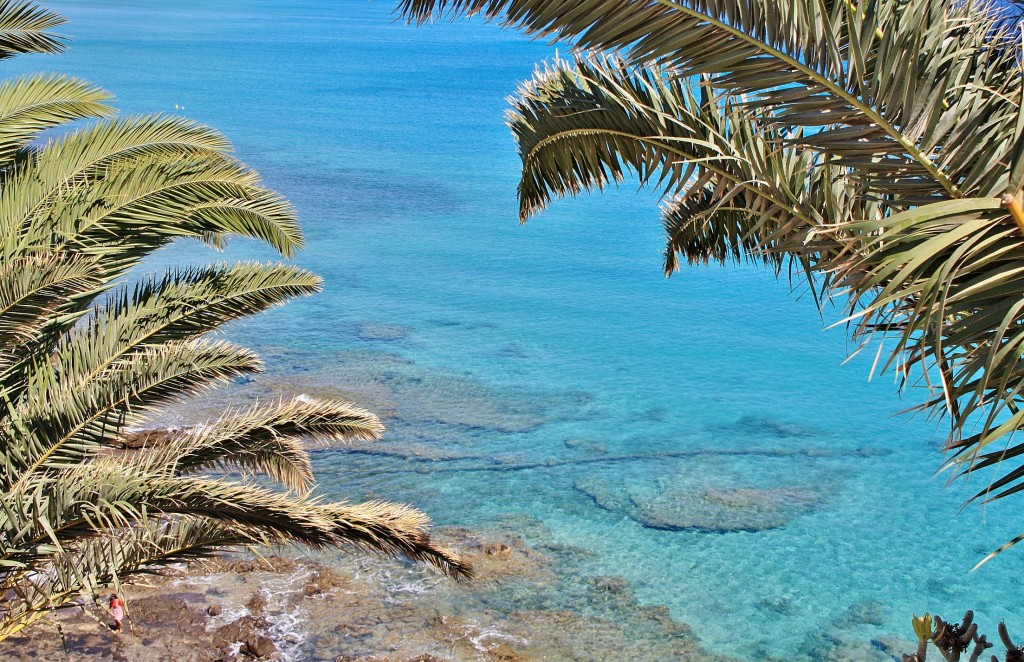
{"x": 484, "y": 635}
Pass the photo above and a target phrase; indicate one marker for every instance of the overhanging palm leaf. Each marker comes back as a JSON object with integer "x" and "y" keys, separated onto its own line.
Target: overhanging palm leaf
{"x": 583, "y": 125}
{"x": 33, "y": 103}
{"x": 880, "y": 144}
{"x": 25, "y": 28}
{"x": 818, "y": 64}
{"x": 265, "y": 439}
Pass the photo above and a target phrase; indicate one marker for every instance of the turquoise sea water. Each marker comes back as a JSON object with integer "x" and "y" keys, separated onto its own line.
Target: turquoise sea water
{"x": 550, "y": 370}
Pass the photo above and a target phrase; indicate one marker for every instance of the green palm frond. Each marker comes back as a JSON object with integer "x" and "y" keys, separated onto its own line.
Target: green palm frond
{"x": 583, "y": 125}
{"x": 24, "y": 28}
{"x": 267, "y": 439}
{"x": 33, "y": 103}
{"x": 704, "y": 228}
{"x": 942, "y": 280}
{"x": 816, "y": 65}
{"x": 394, "y": 529}
{"x": 59, "y": 425}
{"x": 111, "y": 557}
{"x": 47, "y": 514}
{"x": 181, "y": 304}
{"x": 35, "y": 289}
{"x": 206, "y": 196}
{"x": 91, "y": 151}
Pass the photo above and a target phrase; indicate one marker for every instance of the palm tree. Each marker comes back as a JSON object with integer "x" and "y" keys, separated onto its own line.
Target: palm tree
{"x": 84, "y": 355}
{"x": 875, "y": 147}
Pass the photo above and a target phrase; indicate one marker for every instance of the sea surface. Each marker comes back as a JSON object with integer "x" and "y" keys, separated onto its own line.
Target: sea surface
{"x": 697, "y": 436}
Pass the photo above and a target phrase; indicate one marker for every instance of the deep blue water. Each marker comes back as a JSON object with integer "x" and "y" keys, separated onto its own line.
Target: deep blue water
{"x": 495, "y": 345}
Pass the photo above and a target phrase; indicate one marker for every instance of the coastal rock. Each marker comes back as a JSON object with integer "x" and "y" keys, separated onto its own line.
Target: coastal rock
{"x": 245, "y": 629}
{"x": 260, "y": 646}
{"x": 505, "y": 653}
{"x": 527, "y": 605}
{"x": 148, "y": 438}
{"x": 257, "y": 603}
{"x": 174, "y": 612}
{"x": 498, "y": 559}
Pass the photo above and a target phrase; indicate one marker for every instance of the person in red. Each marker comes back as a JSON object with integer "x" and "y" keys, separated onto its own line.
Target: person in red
{"x": 117, "y": 609}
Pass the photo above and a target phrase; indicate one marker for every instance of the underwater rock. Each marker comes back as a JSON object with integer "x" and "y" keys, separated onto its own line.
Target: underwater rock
{"x": 778, "y": 605}
{"x": 723, "y": 509}
{"x": 764, "y": 426}
{"x": 868, "y": 612}
{"x": 651, "y": 415}
{"x": 420, "y": 396}
{"x": 379, "y": 331}
{"x": 603, "y": 496}
{"x": 587, "y": 445}
{"x": 716, "y": 510}
{"x": 513, "y": 350}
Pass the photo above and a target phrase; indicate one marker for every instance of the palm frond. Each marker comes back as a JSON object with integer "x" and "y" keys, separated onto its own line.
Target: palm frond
{"x": 90, "y": 151}
{"x": 816, "y": 64}
{"x": 150, "y": 200}
{"x": 180, "y": 305}
{"x": 48, "y": 514}
{"x": 394, "y": 529}
{"x": 93, "y": 563}
{"x": 35, "y": 289}
{"x": 32, "y": 103}
{"x": 583, "y": 125}
{"x": 25, "y": 28}
{"x": 63, "y": 424}
{"x": 706, "y": 229}
{"x": 266, "y": 439}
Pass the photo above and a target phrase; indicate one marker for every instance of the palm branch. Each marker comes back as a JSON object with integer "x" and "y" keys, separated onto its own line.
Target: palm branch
{"x": 878, "y": 144}
{"x": 84, "y": 355}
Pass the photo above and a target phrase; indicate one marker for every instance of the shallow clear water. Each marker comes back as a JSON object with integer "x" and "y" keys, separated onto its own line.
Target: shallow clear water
{"x": 550, "y": 369}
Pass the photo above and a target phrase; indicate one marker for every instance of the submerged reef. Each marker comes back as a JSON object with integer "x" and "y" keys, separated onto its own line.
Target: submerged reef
{"x": 714, "y": 510}
{"x": 379, "y": 331}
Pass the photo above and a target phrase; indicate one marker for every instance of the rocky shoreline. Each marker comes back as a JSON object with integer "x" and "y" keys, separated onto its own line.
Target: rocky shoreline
{"x": 530, "y": 602}
{"x": 363, "y": 608}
